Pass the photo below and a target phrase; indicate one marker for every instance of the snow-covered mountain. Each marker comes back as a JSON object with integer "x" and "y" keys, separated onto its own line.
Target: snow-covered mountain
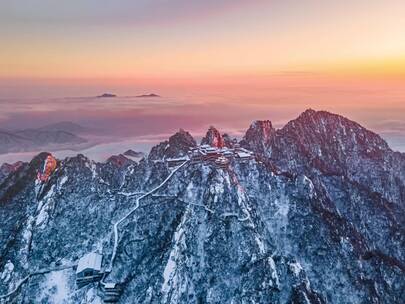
{"x": 317, "y": 216}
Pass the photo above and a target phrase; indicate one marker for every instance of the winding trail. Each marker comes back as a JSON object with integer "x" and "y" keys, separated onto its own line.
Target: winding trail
{"x": 115, "y": 227}
{"x": 115, "y": 230}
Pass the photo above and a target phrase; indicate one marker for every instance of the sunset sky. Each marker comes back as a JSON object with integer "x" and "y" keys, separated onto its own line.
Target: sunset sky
{"x": 182, "y": 38}
{"x": 271, "y": 59}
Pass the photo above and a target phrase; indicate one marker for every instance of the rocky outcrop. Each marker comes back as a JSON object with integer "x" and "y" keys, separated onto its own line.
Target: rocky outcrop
{"x": 258, "y": 136}
{"x": 6, "y": 169}
{"x": 329, "y": 144}
{"x": 229, "y": 142}
{"x": 213, "y": 138}
{"x": 119, "y": 160}
{"x": 177, "y": 145}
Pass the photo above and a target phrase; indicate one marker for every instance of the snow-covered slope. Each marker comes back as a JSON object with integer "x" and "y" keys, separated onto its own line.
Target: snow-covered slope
{"x": 316, "y": 217}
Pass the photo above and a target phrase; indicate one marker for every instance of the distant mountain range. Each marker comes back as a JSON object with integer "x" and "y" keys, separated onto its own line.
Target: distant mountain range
{"x": 107, "y": 95}
{"x": 135, "y": 154}
{"x": 110, "y": 95}
{"x": 152, "y": 95}
{"x": 58, "y": 134}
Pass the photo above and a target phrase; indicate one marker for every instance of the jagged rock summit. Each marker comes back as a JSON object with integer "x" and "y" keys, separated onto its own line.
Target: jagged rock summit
{"x": 258, "y": 136}
{"x": 317, "y": 216}
{"x": 119, "y": 160}
{"x": 132, "y": 153}
{"x": 177, "y": 145}
{"x": 213, "y": 138}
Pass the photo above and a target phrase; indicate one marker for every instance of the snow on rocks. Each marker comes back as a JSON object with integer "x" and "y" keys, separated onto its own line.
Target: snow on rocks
{"x": 170, "y": 275}
{"x": 55, "y": 287}
{"x": 305, "y": 185}
{"x": 62, "y": 182}
{"x": 274, "y": 274}
{"x": 44, "y": 207}
{"x": 295, "y": 268}
{"x": 26, "y": 241}
{"x": 217, "y": 189}
{"x": 6, "y": 274}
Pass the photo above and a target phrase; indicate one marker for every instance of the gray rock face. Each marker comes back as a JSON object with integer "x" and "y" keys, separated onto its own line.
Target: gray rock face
{"x": 119, "y": 160}
{"x": 213, "y": 138}
{"x": 229, "y": 142}
{"x": 177, "y": 145}
{"x": 258, "y": 136}
{"x": 282, "y": 228}
{"x": 6, "y": 169}
{"x": 329, "y": 144}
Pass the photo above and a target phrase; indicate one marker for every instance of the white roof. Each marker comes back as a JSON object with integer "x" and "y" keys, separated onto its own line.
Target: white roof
{"x": 177, "y": 159}
{"x": 109, "y": 285}
{"x": 90, "y": 261}
{"x": 243, "y": 154}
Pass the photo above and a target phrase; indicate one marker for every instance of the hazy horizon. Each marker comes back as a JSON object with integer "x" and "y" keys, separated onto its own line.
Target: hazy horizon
{"x": 223, "y": 63}
{"x": 133, "y": 125}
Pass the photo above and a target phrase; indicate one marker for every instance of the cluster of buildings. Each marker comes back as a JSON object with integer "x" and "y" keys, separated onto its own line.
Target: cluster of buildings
{"x": 219, "y": 157}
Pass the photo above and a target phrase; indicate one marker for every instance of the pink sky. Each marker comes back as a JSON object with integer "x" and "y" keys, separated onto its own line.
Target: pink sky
{"x": 217, "y": 62}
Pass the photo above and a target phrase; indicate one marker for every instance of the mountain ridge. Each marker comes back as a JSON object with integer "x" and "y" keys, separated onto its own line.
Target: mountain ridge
{"x": 40, "y": 138}
{"x": 315, "y": 217}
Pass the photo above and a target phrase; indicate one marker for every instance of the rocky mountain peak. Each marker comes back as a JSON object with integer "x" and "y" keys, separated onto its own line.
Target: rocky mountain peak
{"x": 119, "y": 160}
{"x": 309, "y": 112}
{"x": 177, "y": 145}
{"x": 321, "y": 127}
{"x": 258, "y": 136}
{"x": 6, "y": 169}
{"x": 182, "y": 141}
{"x": 38, "y": 161}
{"x": 228, "y": 140}
{"x": 49, "y": 165}
{"x": 132, "y": 153}
{"x": 213, "y": 138}
{"x": 183, "y": 137}
{"x": 262, "y": 128}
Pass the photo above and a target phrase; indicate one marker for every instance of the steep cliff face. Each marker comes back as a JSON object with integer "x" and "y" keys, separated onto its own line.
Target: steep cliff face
{"x": 177, "y": 145}
{"x": 229, "y": 142}
{"x": 213, "y": 138}
{"x": 329, "y": 144}
{"x": 258, "y": 136}
{"x": 278, "y": 229}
